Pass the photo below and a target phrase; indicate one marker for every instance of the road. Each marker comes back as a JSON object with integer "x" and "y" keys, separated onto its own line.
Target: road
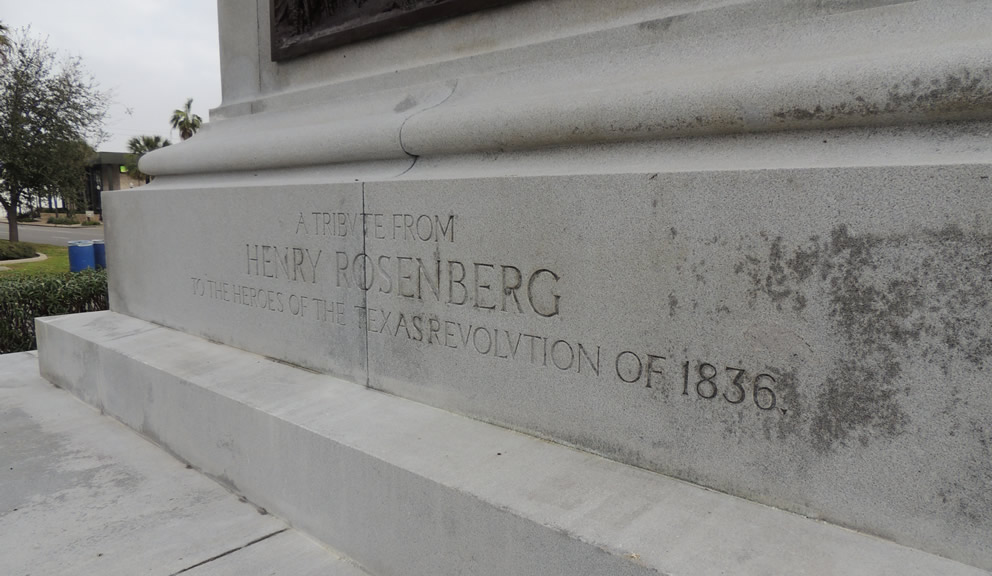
{"x": 57, "y": 236}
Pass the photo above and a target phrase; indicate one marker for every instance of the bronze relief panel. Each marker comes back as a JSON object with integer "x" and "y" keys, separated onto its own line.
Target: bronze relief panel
{"x": 303, "y": 26}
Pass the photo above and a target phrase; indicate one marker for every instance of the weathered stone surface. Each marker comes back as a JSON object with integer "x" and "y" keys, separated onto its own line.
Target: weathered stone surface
{"x": 806, "y": 338}
{"x": 561, "y": 72}
{"x": 241, "y": 269}
{"x": 739, "y": 242}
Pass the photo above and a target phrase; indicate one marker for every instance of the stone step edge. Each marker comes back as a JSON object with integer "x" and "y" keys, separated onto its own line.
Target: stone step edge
{"x": 404, "y": 488}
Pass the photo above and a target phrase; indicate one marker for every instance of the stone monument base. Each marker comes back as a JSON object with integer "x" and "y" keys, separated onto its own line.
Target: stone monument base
{"x": 800, "y": 320}
{"x": 405, "y": 488}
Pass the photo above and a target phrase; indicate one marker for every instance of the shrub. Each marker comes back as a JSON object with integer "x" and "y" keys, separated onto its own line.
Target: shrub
{"x": 62, "y": 221}
{"x": 15, "y": 250}
{"x": 24, "y": 298}
{"x": 91, "y": 222}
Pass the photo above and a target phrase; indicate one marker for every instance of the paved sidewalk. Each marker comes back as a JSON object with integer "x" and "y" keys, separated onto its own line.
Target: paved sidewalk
{"x": 82, "y": 494}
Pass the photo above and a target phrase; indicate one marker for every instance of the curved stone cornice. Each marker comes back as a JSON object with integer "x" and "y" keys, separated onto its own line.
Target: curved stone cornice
{"x": 702, "y": 73}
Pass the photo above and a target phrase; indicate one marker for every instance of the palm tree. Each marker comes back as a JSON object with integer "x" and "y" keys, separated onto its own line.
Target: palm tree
{"x": 138, "y": 147}
{"x": 185, "y": 121}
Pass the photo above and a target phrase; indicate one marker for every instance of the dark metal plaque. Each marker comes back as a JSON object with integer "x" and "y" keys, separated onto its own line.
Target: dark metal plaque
{"x": 303, "y": 26}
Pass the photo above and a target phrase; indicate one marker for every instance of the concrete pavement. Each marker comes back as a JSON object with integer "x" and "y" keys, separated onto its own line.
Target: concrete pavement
{"x": 82, "y": 494}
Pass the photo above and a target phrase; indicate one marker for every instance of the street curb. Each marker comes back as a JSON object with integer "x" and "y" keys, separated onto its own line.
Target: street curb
{"x": 43, "y": 225}
{"x": 37, "y": 258}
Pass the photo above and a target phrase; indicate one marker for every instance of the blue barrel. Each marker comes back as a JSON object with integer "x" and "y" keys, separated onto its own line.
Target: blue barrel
{"x": 99, "y": 254}
{"x": 80, "y": 255}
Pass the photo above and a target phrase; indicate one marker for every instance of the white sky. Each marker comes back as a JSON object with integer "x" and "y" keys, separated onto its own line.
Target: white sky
{"x": 149, "y": 54}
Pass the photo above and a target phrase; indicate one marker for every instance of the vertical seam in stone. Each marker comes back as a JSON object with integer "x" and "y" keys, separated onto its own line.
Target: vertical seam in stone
{"x": 258, "y": 50}
{"x": 365, "y": 293}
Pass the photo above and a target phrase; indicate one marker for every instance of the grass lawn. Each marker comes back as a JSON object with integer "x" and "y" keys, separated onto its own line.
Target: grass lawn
{"x": 58, "y": 261}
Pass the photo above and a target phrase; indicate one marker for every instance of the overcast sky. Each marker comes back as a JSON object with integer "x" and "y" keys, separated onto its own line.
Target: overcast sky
{"x": 149, "y": 54}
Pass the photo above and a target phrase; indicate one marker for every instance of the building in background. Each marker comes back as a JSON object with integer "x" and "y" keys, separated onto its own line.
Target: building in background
{"x": 106, "y": 171}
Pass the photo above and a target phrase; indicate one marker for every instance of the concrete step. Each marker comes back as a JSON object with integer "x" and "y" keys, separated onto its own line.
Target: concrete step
{"x": 84, "y": 495}
{"x": 407, "y": 489}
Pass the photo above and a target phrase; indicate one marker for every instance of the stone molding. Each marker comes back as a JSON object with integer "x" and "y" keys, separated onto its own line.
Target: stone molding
{"x": 709, "y": 72}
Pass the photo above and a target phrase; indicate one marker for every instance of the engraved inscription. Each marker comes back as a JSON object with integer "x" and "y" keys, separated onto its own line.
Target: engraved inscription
{"x": 707, "y": 388}
{"x": 502, "y": 287}
{"x": 303, "y": 306}
{"x": 294, "y": 264}
{"x": 699, "y": 380}
{"x": 485, "y": 340}
{"x": 295, "y": 279}
{"x": 400, "y": 227}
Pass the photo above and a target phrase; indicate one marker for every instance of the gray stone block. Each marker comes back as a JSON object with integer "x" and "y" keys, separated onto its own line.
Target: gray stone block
{"x": 805, "y": 338}
{"x": 404, "y": 488}
{"x": 249, "y": 268}
{"x": 809, "y": 339}
{"x": 740, "y": 243}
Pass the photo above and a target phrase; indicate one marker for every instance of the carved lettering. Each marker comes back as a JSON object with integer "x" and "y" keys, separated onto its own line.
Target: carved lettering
{"x": 538, "y": 304}
{"x": 289, "y": 263}
{"x": 451, "y": 281}
{"x": 463, "y": 287}
{"x": 483, "y": 340}
{"x": 380, "y": 226}
{"x": 482, "y": 287}
{"x": 295, "y": 304}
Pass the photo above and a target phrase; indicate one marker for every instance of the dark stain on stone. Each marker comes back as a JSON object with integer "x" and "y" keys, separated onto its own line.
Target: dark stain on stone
{"x": 777, "y": 277}
{"x": 800, "y": 302}
{"x": 751, "y": 265}
{"x": 960, "y": 94}
{"x": 891, "y": 299}
{"x": 858, "y": 400}
{"x": 406, "y": 104}
{"x": 965, "y": 492}
{"x": 698, "y": 269}
{"x": 804, "y": 262}
{"x": 661, "y": 24}
{"x": 788, "y": 417}
{"x": 789, "y": 403}
{"x": 776, "y": 285}
{"x": 673, "y": 303}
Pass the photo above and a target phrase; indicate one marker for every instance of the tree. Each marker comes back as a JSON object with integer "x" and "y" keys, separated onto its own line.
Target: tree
{"x": 49, "y": 108}
{"x": 138, "y": 147}
{"x": 185, "y": 121}
{"x": 4, "y": 42}
{"x": 66, "y": 178}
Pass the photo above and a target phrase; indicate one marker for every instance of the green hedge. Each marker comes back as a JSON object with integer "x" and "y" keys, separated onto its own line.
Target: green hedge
{"x": 24, "y": 298}
{"x": 15, "y": 250}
